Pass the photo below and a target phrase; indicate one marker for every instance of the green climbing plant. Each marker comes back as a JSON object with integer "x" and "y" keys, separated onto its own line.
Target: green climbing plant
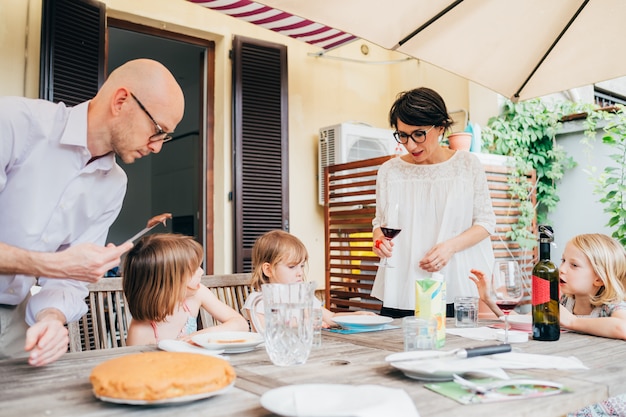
{"x": 526, "y": 132}
{"x": 610, "y": 184}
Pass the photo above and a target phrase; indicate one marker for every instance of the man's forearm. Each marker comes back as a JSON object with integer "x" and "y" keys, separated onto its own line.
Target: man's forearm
{"x": 20, "y": 261}
{"x": 15, "y": 260}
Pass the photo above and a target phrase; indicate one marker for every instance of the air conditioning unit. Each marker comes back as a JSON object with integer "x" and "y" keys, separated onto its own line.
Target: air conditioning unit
{"x": 348, "y": 142}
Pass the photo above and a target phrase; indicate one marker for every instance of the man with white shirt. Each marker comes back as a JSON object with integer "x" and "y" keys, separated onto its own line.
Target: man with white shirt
{"x": 61, "y": 189}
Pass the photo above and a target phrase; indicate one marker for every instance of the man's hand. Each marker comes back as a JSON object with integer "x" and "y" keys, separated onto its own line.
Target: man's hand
{"x": 85, "y": 262}
{"x": 47, "y": 340}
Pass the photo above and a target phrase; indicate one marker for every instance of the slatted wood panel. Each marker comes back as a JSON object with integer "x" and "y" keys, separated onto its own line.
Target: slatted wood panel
{"x": 106, "y": 323}
{"x": 507, "y": 212}
{"x": 349, "y": 210}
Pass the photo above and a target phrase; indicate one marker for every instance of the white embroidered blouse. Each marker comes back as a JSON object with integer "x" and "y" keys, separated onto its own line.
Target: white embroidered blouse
{"x": 437, "y": 202}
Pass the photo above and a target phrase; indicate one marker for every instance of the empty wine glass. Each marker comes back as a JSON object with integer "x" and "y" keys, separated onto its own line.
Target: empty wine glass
{"x": 390, "y": 225}
{"x": 507, "y": 289}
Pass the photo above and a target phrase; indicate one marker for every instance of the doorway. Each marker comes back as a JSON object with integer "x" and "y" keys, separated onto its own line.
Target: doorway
{"x": 173, "y": 180}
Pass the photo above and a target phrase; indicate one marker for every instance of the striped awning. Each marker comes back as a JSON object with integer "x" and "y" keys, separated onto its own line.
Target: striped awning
{"x": 287, "y": 24}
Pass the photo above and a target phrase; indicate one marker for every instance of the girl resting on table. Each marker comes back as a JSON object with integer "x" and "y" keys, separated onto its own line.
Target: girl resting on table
{"x": 281, "y": 258}
{"x": 592, "y": 286}
{"x": 161, "y": 281}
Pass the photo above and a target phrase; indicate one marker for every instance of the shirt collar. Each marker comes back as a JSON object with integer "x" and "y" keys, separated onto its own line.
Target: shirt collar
{"x": 75, "y": 134}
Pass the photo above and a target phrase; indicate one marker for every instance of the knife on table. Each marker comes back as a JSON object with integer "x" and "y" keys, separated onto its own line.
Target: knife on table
{"x": 455, "y": 353}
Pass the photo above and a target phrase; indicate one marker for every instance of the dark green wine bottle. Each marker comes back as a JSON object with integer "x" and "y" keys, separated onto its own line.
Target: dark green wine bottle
{"x": 545, "y": 291}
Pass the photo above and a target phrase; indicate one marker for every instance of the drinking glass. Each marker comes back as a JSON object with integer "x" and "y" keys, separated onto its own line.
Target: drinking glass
{"x": 507, "y": 289}
{"x": 390, "y": 225}
{"x": 288, "y": 328}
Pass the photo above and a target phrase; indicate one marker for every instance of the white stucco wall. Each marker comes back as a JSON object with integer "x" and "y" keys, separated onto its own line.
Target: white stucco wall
{"x": 578, "y": 210}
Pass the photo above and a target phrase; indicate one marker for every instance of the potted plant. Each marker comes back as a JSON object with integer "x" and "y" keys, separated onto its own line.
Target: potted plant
{"x": 461, "y": 141}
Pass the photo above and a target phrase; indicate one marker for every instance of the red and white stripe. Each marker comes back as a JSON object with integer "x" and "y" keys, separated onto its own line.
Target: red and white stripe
{"x": 287, "y": 24}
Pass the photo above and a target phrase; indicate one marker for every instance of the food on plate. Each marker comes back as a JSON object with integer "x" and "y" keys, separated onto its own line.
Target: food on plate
{"x": 153, "y": 376}
{"x": 227, "y": 341}
{"x": 161, "y": 218}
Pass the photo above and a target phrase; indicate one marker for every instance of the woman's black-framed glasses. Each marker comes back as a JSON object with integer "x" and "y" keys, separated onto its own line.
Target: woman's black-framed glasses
{"x": 418, "y": 136}
{"x": 160, "y": 135}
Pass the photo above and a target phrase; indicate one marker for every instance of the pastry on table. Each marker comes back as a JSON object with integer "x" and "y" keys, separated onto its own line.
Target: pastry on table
{"x": 151, "y": 376}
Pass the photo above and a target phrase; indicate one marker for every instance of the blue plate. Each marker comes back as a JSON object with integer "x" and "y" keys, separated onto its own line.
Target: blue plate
{"x": 358, "y": 321}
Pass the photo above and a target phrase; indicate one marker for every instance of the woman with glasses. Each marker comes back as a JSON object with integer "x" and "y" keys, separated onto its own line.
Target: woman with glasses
{"x": 446, "y": 216}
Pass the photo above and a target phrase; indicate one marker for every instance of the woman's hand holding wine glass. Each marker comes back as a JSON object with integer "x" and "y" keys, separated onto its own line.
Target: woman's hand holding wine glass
{"x": 507, "y": 289}
{"x": 390, "y": 225}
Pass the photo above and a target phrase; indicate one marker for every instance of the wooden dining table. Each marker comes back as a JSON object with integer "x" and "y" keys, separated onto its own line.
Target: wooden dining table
{"x": 63, "y": 388}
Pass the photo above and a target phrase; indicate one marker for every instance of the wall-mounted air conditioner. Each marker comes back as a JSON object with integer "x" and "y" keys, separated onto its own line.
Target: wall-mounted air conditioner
{"x": 348, "y": 142}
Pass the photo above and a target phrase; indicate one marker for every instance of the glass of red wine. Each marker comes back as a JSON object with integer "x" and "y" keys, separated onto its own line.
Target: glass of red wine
{"x": 507, "y": 289}
{"x": 390, "y": 225}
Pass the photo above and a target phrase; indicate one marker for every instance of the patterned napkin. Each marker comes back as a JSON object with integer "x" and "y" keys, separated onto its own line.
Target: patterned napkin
{"x": 362, "y": 329}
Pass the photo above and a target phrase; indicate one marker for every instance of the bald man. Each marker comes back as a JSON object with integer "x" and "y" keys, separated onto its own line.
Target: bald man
{"x": 60, "y": 191}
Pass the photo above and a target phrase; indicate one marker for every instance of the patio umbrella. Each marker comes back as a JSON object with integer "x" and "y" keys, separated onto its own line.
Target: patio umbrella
{"x": 518, "y": 48}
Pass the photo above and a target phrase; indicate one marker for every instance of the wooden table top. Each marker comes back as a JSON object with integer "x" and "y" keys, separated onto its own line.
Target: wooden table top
{"x": 63, "y": 388}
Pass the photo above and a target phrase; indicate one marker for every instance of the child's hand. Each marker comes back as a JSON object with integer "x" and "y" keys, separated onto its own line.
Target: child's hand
{"x": 566, "y": 317}
{"x": 481, "y": 284}
{"x": 483, "y": 291}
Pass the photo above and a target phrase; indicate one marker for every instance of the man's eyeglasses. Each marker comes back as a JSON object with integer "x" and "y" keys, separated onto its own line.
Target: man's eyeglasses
{"x": 160, "y": 135}
{"x": 418, "y": 136}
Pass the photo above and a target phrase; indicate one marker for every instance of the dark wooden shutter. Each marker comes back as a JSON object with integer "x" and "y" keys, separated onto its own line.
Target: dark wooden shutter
{"x": 260, "y": 144}
{"x": 72, "y": 50}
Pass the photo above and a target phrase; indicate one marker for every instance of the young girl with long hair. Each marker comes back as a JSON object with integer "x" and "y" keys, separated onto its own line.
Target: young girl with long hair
{"x": 592, "y": 286}
{"x": 281, "y": 258}
{"x": 161, "y": 281}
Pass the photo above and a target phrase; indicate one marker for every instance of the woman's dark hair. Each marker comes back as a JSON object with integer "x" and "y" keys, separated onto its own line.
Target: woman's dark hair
{"x": 420, "y": 107}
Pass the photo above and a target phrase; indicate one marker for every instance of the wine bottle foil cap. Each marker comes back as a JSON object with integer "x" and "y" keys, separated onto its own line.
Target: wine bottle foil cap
{"x": 546, "y": 234}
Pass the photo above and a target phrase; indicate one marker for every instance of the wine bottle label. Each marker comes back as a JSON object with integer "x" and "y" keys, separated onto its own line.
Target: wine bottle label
{"x": 541, "y": 290}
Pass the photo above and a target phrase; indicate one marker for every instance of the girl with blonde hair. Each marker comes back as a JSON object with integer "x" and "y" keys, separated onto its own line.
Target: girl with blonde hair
{"x": 161, "y": 281}
{"x": 281, "y": 258}
{"x": 592, "y": 286}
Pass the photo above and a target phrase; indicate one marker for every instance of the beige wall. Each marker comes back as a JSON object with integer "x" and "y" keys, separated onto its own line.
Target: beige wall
{"x": 321, "y": 92}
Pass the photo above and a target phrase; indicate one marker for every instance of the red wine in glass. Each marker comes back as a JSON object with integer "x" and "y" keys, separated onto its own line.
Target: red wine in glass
{"x": 506, "y": 306}
{"x": 389, "y": 232}
{"x": 507, "y": 289}
{"x": 390, "y": 224}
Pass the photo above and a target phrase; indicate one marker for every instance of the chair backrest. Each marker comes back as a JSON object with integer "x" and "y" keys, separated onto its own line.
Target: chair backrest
{"x": 232, "y": 289}
{"x": 106, "y": 323}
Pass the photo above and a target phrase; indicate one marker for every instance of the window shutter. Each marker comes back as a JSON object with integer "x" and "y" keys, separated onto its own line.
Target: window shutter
{"x": 72, "y": 50}
{"x": 260, "y": 144}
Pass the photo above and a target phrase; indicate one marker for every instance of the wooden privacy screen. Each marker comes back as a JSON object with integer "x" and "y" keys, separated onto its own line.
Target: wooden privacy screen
{"x": 349, "y": 209}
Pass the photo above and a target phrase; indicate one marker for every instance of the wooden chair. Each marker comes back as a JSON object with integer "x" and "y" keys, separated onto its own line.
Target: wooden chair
{"x": 106, "y": 323}
{"x": 232, "y": 289}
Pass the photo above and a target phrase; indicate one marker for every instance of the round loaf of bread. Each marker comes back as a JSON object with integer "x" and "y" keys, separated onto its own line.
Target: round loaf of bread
{"x": 160, "y": 375}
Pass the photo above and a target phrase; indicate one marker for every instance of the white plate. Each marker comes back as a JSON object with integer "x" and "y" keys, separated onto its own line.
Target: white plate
{"x": 231, "y": 342}
{"x": 321, "y": 400}
{"x": 444, "y": 369}
{"x": 173, "y": 400}
{"x": 362, "y": 321}
{"x": 180, "y": 346}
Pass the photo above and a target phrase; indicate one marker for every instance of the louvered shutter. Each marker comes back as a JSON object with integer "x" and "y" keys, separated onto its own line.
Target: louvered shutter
{"x": 72, "y": 50}
{"x": 260, "y": 144}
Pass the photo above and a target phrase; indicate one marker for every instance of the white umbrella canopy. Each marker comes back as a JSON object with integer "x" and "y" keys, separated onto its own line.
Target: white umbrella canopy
{"x": 519, "y": 48}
